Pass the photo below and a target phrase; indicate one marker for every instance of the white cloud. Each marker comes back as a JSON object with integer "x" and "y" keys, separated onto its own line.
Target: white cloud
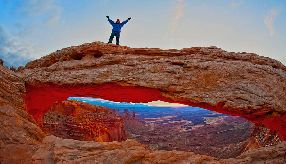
{"x": 159, "y": 103}
{"x": 178, "y": 14}
{"x": 46, "y": 8}
{"x": 13, "y": 51}
{"x": 269, "y": 20}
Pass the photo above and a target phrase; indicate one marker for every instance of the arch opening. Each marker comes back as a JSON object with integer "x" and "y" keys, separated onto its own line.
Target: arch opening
{"x": 172, "y": 126}
{"x": 166, "y": 128}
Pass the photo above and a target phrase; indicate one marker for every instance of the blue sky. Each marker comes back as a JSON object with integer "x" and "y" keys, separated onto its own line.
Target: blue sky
{"x": 30, "y": 29}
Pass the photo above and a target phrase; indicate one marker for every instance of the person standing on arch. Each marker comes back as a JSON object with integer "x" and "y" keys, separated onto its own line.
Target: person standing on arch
{"x": 116, "y": 29}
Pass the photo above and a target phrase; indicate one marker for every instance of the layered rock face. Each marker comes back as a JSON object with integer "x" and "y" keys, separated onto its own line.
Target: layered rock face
{"x": 80, "y": 121}
{"x": 17, "y": 126}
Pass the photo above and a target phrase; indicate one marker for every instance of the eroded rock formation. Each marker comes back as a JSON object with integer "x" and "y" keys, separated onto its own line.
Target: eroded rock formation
{"x": 237, "y": 83}
{"x": 57, "y": 150}
{"x": 17, "y": 126}
{"x": 80, "y": 121}
{"x": 232, "y": 83}
{"x": 40, "y": 98}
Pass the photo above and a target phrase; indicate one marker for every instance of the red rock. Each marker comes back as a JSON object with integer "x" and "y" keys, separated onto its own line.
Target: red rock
{"x": 234, "y": 83}
{"x": 81, "y": 121}
{"x": 39, "y": 99}
{"x": 57, "y": 150}
{"x": 17, "y": 126}
{"x": 243, "y": 84}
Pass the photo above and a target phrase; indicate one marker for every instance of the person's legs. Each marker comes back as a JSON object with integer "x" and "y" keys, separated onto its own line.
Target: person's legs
{"x": 111, "y": 37}
{"x": 117, "y": 38}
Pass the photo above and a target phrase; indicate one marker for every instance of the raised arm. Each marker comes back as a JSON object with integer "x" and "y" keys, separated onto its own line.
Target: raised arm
{"x": 109, "y": 20}
{"x": 124, "y": 22}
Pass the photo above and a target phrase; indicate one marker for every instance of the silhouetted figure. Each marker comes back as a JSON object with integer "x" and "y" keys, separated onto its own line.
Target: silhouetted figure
{"x": 116, "y": 29}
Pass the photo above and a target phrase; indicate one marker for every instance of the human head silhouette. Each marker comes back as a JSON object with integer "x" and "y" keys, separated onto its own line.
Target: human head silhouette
{"x": 118, "y": 21}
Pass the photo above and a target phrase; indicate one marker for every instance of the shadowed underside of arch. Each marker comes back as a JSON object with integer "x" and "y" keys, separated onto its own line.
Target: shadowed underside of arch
{"x": 40, "y": 98}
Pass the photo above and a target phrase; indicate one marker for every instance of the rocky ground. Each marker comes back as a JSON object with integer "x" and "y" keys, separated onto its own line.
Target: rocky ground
{"x": 226, "y": 137}
{"x": 237, "y": 83}
{"x": 57, "y": 150}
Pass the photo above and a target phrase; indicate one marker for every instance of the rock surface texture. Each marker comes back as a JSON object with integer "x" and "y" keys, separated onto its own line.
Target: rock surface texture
{"x": 17, "y": 126}
{"x": 57, "y": 150}
{"x": 236, "y": 83}
{"x": 81, "y": 121}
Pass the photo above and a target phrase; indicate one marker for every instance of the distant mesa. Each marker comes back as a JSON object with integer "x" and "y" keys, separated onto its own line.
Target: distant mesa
{"x": 80, "y": 121}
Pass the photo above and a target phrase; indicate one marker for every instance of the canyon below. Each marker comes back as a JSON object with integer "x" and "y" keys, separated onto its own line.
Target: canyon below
{"x": 245, "y": 92}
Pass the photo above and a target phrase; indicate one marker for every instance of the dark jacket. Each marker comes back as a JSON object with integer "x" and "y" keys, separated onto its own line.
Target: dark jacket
{"x": 116, "y": 27}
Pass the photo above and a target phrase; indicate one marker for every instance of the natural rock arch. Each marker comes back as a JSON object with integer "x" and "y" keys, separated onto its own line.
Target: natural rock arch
{"x": 242, "y": 84}
{"x": 239, "y": 83}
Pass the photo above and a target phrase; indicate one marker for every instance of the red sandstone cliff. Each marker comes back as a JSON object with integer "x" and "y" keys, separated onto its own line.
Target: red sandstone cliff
{"x": 80, "y": 121}
{"x": 237, "y": 83}
{"x": 17, "y": 126}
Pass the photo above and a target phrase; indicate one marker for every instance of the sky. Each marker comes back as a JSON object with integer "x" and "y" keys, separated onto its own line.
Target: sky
{"x": 30, "y": 29}
{"x": 101, "y": 102}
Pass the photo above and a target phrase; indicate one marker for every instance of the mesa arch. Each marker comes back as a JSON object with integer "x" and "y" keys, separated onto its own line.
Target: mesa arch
{"x": 241, "y": 84}
{"x": 244, "y": 82}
